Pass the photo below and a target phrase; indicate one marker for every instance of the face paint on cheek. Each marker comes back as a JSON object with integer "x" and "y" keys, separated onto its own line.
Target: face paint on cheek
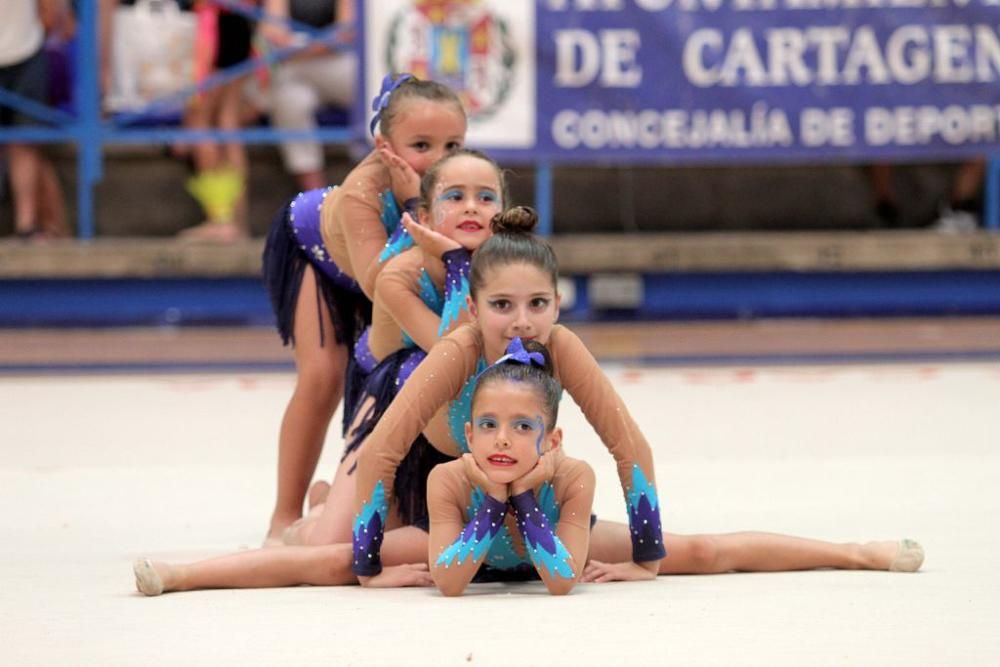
{"x": 438, "y": 217}
{"x": 438, "y": 211}
{"x": 540, "y": 425}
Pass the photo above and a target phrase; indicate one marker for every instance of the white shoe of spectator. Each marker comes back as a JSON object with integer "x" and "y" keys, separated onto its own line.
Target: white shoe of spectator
{"x": 955, "y": 221}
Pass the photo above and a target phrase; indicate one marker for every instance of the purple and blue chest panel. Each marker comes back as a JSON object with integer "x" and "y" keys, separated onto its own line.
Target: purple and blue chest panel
{"x": 304, "y": 217}
{"x": 399, "y": 239}
{"x": 432, "y": 298}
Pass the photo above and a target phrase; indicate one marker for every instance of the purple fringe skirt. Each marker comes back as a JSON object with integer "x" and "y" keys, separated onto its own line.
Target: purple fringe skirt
{"x": 294, "y": 242}
{"x": 382, "y": 384}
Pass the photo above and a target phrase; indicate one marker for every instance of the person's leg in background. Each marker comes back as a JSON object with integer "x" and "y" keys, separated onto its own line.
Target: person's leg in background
{"x": 962, "y": 210}
{"x": 210, "y": 185}
{"x": 50, "y": 203}
{"x": 231, "y": 113}
{"x": 299, "y": 89}
{"x": 886, "y": 202}
{"x": 219, "y": 184}
{"x": 25, "y": 161}
{"x": 293, "y": 107}
{"x": 968, "y": 185}
{"x": 35, "y": 189}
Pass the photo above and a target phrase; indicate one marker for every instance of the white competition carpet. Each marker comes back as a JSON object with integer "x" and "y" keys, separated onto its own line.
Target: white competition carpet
{"x": 96, "y": 470}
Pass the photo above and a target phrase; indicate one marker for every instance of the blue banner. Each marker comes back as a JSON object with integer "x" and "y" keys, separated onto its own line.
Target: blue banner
{"x": 705, "y": 81}
{"x": 768, "y": 80}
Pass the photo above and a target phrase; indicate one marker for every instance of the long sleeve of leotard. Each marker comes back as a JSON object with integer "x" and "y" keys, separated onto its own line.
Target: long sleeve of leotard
{"x": 438, "y": 379}
{"x": 457, "y": 266}
{"x": 457, "y": 545}
{"x": 558, "y": 553}
{"x": 590, "y": 388}
{"x": 351, "y": 222}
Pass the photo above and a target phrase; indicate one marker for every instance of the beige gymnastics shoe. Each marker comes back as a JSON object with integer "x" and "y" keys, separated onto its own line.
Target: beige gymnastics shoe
{"x": 909, "y": 558}
{"x": 147, "y": 579}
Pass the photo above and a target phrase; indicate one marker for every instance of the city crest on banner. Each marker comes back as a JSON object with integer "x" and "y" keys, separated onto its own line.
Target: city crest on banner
{"x": 482, "y": 49}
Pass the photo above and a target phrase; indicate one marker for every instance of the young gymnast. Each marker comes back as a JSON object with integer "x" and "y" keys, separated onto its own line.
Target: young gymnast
{"x": 420, "y": 295}
{"x": 323, "y": 254}
{"x": 515, "y": 508}
{"x": 513, "y": 294}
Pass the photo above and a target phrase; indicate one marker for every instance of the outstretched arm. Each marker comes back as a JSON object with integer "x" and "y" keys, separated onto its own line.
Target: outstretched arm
{"x": 583, "y": 378}
{"x": 437, "y": 379}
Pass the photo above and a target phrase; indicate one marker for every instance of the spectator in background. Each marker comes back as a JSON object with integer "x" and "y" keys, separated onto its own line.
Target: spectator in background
{"x": 300, "y": 86}
{"x": 958, "y": 213}
{"x": 39, "y": 210}
{"x": 109, "y": 42}
{"x": 222, "y": 38}
{"x": 886, "y": 201}
{"x": 219, "y": 184}
{"x": 962, "y": 211}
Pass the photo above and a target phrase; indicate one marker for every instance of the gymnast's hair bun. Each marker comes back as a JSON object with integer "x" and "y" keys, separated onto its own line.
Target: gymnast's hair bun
{"x": 515, "y": 220}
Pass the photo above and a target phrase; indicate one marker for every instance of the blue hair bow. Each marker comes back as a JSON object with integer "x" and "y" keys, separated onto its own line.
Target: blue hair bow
{"x": 515, "y": 352}
{"x": 381, "y": 101}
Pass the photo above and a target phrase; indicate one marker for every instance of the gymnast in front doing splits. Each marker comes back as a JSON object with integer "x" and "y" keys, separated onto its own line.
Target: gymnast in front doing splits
{"x": 516, "y": 507}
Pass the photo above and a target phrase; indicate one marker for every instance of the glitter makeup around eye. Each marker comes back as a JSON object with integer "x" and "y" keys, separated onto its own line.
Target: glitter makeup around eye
{"x": 443, "y": 196}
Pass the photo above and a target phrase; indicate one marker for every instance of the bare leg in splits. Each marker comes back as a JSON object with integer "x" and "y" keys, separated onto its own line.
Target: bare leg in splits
{"x": 404, "y": 552}
{"x": 752, "y": 552}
